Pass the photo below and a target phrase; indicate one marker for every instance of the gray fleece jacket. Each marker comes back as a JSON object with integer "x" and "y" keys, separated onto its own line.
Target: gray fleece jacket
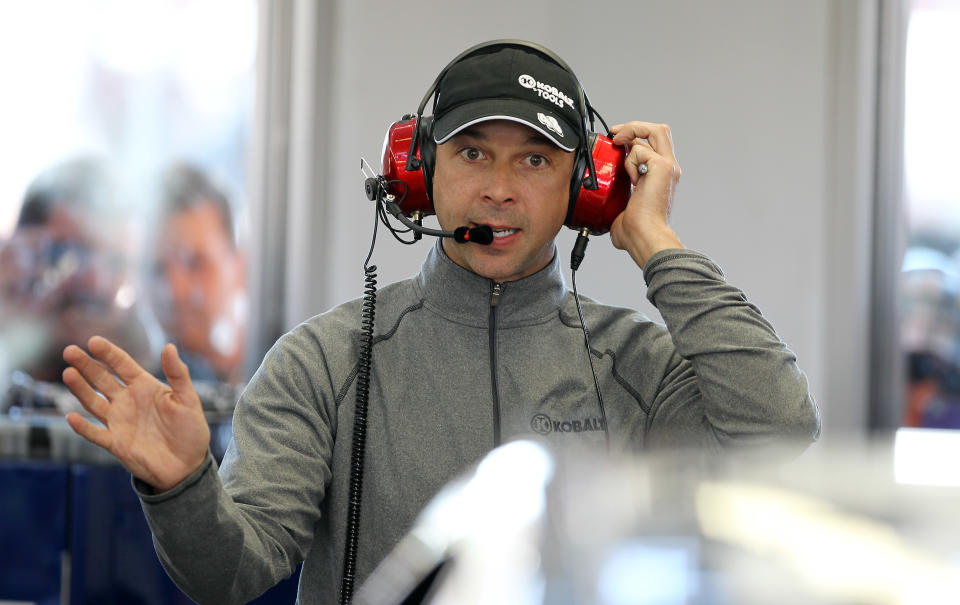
{"x": 461, "y": 364}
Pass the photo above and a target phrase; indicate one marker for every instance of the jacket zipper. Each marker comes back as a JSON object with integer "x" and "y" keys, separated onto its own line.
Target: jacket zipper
{"x": 495, "y": 293}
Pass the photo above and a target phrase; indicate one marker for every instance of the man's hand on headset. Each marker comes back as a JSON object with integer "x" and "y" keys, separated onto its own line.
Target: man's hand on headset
{"x": 642, "y": 228}
{"x": 157, "y": 431}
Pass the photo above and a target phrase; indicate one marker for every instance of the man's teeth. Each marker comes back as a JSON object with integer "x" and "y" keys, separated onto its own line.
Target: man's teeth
{"x": 503, "y": 232}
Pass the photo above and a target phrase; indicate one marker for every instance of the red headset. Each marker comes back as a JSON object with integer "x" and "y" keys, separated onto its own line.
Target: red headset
{"x": 599, "y": 189}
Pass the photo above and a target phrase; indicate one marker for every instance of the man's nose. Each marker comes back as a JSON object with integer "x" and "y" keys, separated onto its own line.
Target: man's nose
{"x": 501, "y": 183}
{"x": 178, "y": 281}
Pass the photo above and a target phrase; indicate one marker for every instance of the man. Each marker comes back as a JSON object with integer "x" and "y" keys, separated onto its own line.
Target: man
{"x": 478, "y": 348}
{"x": 64, "y": 277}
{"x": 199, "y": 281}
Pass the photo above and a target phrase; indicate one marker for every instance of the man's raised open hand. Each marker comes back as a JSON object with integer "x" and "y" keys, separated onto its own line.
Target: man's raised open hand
{"x": 158, "y": 432}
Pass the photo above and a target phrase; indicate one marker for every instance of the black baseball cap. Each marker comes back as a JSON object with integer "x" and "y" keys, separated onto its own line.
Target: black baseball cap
{"x": 509, "y": 83}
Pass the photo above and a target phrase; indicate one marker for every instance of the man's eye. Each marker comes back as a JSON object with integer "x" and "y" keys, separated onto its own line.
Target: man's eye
{"x": 536, "y": 160}
{"x": 471, "y": 153}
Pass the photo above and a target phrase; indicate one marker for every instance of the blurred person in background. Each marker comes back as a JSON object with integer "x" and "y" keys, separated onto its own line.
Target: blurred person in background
{"x": 930, "y": 337}
{"x": 65, "y": 274}
{"x": 199, "y": 277}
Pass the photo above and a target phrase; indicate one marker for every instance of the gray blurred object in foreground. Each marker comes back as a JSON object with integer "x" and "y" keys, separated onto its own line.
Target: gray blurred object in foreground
{"x": 868, "y": 524}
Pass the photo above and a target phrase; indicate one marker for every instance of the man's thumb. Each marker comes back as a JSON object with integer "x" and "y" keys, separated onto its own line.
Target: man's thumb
{"x": 177, "y": 373}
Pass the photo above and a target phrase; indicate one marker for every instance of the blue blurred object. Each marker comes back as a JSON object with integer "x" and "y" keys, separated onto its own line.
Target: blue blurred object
{"x": 72, "y": 529}
{"x": 33, "y": 530}
{"x": 112, "y": 557}
{"x": 112, "y": 551}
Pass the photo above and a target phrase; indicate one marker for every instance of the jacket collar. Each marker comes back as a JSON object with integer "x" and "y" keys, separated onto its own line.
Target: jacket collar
{"x": 464, "y": 297}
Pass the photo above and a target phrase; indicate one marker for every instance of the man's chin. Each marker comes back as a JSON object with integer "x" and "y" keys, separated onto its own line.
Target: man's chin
{"x": 191, "y": 336}
{"x": 498, "y": 270}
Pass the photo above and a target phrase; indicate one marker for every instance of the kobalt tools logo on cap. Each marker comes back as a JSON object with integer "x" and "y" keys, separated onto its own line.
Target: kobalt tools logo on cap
{"x": 551, "y": 123}
{"x": 546, "y": 91}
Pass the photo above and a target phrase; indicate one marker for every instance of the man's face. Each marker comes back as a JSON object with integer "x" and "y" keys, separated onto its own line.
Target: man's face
{"x": 201, "y": 273}
{"x": 508, "y": 176}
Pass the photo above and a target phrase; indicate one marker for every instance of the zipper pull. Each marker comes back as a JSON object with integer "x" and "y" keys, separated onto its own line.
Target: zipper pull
{"x": 495, "y": 294}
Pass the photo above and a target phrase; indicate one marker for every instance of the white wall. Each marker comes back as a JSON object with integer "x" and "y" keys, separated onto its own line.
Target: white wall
{"x": 754, "y": 91}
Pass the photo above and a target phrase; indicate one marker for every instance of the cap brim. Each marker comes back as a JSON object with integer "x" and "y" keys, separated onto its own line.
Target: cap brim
{"x": 514, "y": 110}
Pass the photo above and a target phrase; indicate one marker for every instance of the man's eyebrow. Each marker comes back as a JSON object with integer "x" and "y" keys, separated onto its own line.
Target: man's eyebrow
{"x": 472, "y": 132}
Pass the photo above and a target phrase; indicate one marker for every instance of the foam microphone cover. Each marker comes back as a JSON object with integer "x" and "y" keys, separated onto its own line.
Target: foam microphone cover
{"x": 478, "y": 235}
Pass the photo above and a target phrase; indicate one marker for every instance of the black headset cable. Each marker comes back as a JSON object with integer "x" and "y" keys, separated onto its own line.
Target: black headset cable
{"x": 576, "y": 257}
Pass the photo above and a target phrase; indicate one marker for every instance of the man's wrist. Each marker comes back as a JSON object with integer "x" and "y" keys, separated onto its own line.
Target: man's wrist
{"x": 642, "y": 249}
{"x": 150, "y": 491}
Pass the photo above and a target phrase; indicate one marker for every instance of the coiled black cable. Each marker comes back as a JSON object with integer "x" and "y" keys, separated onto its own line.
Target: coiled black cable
{"x": 367, "y": 315}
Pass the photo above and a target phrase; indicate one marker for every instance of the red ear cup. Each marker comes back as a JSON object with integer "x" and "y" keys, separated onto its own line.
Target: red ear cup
{"x": 595, "y": 209}
{"x": 396, "y": 148}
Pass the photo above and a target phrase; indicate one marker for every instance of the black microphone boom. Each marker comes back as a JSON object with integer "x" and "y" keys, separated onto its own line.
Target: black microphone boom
{"x": 376, "y": 190}
{"x": 477, "y": 235}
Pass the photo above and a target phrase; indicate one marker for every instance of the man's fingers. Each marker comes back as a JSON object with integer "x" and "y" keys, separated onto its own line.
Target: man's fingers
{"x": 89, "y": 431}
{"x": 641, "y": 155}
{"x": 178, "y": 375}
{"x": 116, "y": 359}
{"x": 92, "y": 371}
{"x": 89, "y": 399}
{"x": 625, "y": 133}
{"x": 658, "y": 135}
